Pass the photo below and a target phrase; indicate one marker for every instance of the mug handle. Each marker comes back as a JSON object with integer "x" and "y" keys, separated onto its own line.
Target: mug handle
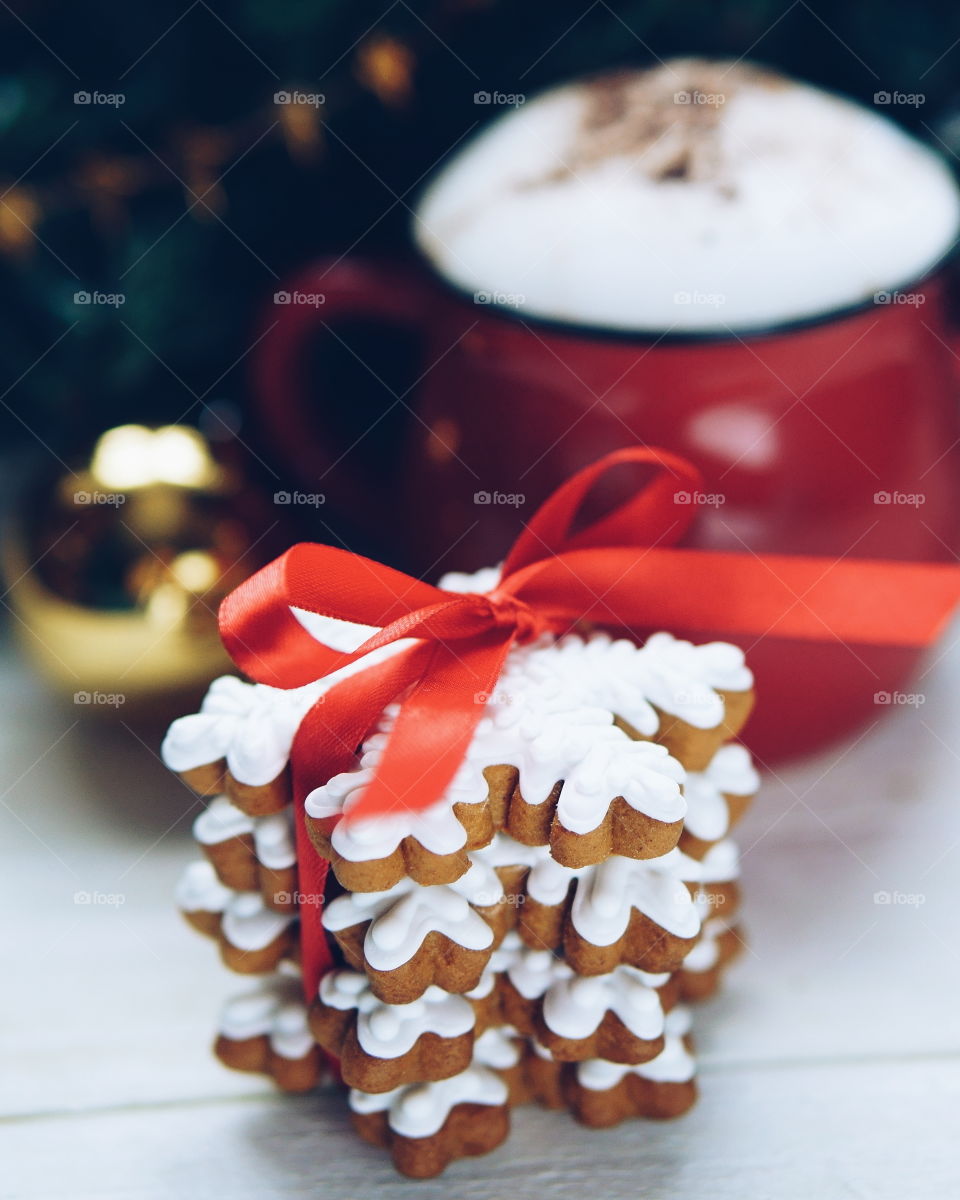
{"x": 388, "y": 292}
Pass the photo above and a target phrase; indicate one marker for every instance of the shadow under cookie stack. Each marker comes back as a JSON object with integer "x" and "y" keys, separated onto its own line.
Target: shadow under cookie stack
{"x": 535, "y": 936}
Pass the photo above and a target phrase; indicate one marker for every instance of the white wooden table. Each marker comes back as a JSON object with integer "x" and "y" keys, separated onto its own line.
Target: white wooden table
{"x": 830, "y": 1065}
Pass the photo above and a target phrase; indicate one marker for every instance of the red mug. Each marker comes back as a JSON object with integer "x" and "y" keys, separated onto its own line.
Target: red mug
{"x": 834, "y": 436}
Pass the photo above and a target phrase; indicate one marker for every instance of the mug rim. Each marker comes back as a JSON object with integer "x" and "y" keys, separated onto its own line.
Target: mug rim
{"x": 668, "y": 337}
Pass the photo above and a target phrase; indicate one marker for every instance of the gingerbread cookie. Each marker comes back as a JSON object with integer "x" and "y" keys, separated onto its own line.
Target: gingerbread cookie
{"x": 250, "y": 853}
{"x": 202, "y": 898}
{"x": 239, "y": 742}
{"x": 719, "y": 944}
{"x": 411, "y": 937}
{"x": 265, "y": 1031}
{"x": 689, "y": 698}
{"x": 429, "y": 846}
{"x": 714, "y": 879}
{"x": 502, "y": 1049}
{"x": 618, "y": 1016}
{"x": 253, "y": 939}
{"x": 620, "y": 911}
{"x": 602, "y": 1093}
{"x": 702, "y": 695}
{"x": 385, "y": 1046}
{"x": 717, "y": 798}
{"x": 426, "y": 1126}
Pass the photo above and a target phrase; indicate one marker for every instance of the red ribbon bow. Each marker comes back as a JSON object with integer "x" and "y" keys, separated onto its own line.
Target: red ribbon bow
{"x": 623, "y": 570}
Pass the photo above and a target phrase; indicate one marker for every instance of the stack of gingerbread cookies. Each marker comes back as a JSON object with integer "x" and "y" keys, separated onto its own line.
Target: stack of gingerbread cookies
{"x": 535, "y": 935}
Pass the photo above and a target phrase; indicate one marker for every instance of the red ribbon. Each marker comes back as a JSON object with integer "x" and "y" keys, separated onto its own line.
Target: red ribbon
{"x": 623, "y": 570}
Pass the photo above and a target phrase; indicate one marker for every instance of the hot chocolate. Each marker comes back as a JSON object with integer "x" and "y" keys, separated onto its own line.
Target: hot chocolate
{"x": 693, "y": 196}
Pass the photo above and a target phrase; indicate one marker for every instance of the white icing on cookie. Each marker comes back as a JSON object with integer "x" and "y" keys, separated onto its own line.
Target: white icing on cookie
{"x": 402, "y": 917}
{"x": 574, "y": 1007}
{"x": 500, "y": 960}
{"x": 250, "y": 1013}
{"x": 199, "y": 889}
{"x": 291, "y": 1037}
{"x": 497, "y": 1048}
{"x": 220, "y": 821}
{"x": 389, "y": 1030}
{"x": 249, "y": 925}
{"x": 607, "y": 893}
{"x": 642, "y": 773}
{"x": 505, "y": 851}
{"x": 548, "y": 882}
{"x": 420, "y": 1109}
{"x": 345, "y": 636}
{"x": 730, "y": 773}
{"x": 274, "y": 841}
{"x": 250, "y": 725}
{"x": 539, "y": 1050}
{"x": 720, "y": 864}
{"x": 484, "y": 580}
{"x": 706, "y": 953}
{"x": 678, "y": 676}
{"x": 273, "y": 1009}
{"x": 602, "y": 671}
{"x": 436, "y": 828}
{"x": 674, "y": 1064}
{"x": 533, "y": 972}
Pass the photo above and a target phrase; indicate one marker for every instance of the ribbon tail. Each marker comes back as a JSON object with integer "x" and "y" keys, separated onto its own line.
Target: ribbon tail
{"x": 326, "y": 743}
{"x": 316, "y": 957}
{"x": 853, "y": 600}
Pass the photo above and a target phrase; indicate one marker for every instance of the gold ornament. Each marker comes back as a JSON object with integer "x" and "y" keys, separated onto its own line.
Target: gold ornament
{"x": 117, "y": 580}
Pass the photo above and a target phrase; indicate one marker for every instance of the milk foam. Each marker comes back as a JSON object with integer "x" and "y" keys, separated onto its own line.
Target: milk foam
{"x": 758, "y": 200}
